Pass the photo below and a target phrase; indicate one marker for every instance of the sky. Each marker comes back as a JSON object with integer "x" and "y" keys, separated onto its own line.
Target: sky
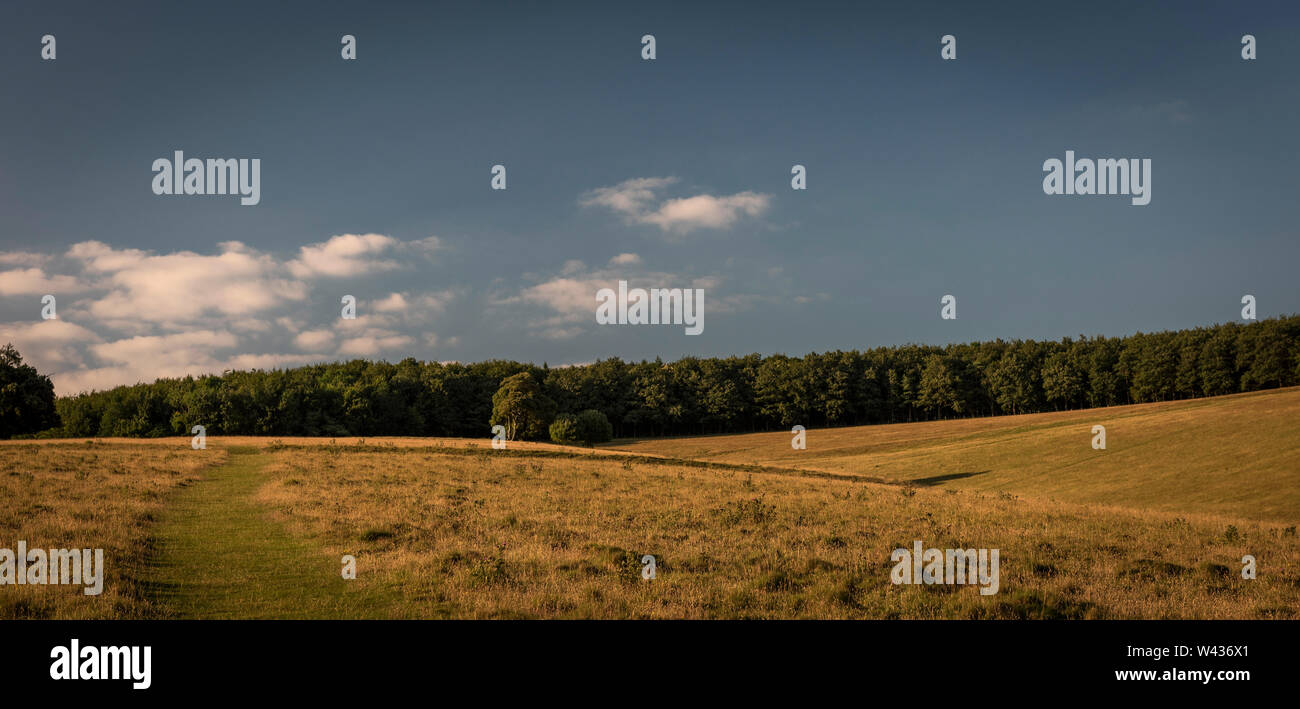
{"x": 924, "y": 177}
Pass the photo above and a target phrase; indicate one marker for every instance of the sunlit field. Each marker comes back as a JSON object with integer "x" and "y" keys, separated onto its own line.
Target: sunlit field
{"x": 1155, "y": 526}
{"x": 1234, "y": 455}
{"x": 91, "y": 495}
{"x": 488, "y": 536}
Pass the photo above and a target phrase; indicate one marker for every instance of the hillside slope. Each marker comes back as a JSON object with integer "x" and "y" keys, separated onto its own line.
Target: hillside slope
{"x": 1235, "y": 455}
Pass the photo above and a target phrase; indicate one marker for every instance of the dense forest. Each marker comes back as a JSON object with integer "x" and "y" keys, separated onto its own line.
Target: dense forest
{"x": 693, "y": 395}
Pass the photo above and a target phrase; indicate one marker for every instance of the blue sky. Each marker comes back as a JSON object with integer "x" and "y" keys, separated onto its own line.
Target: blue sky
{"x": 924, "y": 177}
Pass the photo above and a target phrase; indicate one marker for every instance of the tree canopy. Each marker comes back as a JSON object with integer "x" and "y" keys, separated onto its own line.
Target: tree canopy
{"x": 694, "y": 395}
{"x": 521, "y": 407}
{"x": 26, "y": 396}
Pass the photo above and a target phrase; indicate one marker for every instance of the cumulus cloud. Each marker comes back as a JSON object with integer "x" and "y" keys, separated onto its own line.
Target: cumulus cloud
{"x": 49, "y": 344}
{"x": 165, "y": 350}
{"x": 183, "y": 287}
{"x": 144, "y": 359}
{"x": 395, "y": 302}
{"x": 136, "y": 315}
{"x": 638, "y": 201}
{"x": 706, "y": 211}
{"x": 34, "y": 281}
{"x": 574, "y": 296}
{"x": 348, "y": 255}
{"x": 314, "y": 339}
{"x": 345, "y": 255}
{"x": 412, "y": 308}
{"x": 629, "y": 197}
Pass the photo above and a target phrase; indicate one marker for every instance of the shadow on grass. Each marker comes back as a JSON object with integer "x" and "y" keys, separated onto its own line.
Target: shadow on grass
{"x": 940, "y": 479}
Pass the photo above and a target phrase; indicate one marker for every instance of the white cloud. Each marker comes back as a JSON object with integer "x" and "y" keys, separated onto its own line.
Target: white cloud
{"x": 345, "y": 255}
{"x": 575, "y": 296}
{"x": 184, "y": 287}
{"x": 49, "y": 345}
{"x": 165, "y": 350}
{"x": 147, "y": 315}
{"x": 314, "y": 340}
{"x": 394, "y": 302}
{"x": 100, "y": 257}
{"x": 34, "y": 281}
{"x": 630, "y": 197}
{"x": 144, "y": 359}
{"x": 706, "y": 211}
{"x": 371, "y": 345}
{"x": 636, "y": 200}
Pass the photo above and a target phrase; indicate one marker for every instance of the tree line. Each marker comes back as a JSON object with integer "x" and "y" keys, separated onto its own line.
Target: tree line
{"x": 707, "y": 395}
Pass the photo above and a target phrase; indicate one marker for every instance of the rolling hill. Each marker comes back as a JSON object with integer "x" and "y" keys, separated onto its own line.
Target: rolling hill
{"x": 1235, "y": 455}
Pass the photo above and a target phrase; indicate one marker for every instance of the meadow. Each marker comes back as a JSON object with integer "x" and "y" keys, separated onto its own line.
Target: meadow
{"x": 91, "y": 494}
{"x": 740, "y": 526}
{"x": 1234, "y": 455}
{"x": 476, "y": 534}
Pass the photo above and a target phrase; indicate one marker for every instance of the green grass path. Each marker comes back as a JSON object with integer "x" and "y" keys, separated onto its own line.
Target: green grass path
{"x": 221, "y": 555}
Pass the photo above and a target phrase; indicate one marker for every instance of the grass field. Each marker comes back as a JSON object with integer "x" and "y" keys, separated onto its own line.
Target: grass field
{"x": 1233, "y": 455}
{"x": 741, "y": 526}
{"x": 97, "y": 495}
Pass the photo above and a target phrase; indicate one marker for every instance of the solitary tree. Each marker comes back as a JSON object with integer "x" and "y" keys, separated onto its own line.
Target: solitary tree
{"x": 26, "y": 396}
{"x": 520, "y": 406}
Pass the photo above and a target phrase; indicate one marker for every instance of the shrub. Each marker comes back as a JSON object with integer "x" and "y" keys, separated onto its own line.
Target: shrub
{"x": 564, "y": 429}
{"x": 594, "y": 427}
{"x": 590, "y": 426}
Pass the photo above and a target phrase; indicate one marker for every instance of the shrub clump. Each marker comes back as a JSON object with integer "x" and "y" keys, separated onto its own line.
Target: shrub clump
{"x": 588, "y": 427}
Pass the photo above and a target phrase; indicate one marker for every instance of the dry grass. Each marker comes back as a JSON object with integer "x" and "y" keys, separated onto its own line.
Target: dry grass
{"x": 1153, "y": 527}
{"x": 1233, "y": 455}
{"x": 475, "y": 534}
{"x": 89, "y": 495}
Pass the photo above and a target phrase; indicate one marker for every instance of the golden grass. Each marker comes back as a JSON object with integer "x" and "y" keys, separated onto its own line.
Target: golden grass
{"x": 476, "y": 534}
{"x": 1234, "y": 455}
{"x": 1153, "y": 527}
{"x": 96, "y": 495}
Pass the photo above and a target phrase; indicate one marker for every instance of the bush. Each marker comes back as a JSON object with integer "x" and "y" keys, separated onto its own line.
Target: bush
{"x": 590, "y": 426}
{"x": 594, "y": 427}
{"x": 565, "y": 429}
